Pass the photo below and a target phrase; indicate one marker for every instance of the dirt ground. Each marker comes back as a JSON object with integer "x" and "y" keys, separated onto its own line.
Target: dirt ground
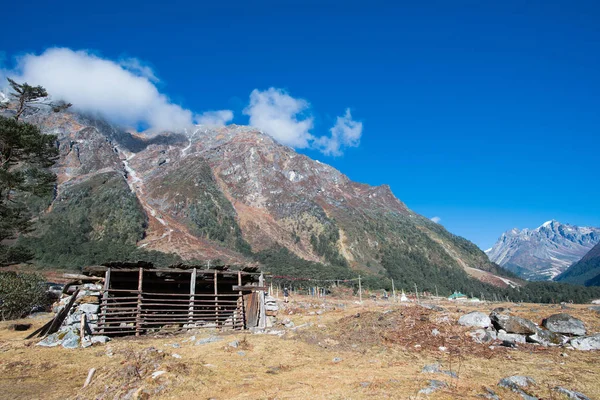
{"x": 337, "y": 350}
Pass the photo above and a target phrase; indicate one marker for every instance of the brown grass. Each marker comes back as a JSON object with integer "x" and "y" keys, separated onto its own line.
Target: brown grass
{"x": 378, "y": 350}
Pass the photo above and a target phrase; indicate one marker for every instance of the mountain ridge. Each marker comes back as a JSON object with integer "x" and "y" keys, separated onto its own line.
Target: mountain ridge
{"x": 226, "y": 193}
{"x": 544, "y": 252}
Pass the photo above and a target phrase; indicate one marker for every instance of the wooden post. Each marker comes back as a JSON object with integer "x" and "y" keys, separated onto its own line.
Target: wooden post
{"x": 393, "y": 291}
{"x": 262, "y": 318}
{"x": 138, "y": 316}
{"x": 417, "y": 293}
{"x": 216, "y": 300}
{"x": 359, "y": 290}
{"x": 192, "y": 297}
{"x": 241, "y": 301}
{"x": 104, "y": 303}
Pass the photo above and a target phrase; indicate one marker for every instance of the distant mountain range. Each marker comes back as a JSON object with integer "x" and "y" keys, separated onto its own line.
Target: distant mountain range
{"x": 545, "y": 252}
{"x": 585, "y": 271}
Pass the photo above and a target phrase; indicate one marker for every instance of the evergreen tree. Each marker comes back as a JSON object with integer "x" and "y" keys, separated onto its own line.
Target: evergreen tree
{"x": 25, "y": 156}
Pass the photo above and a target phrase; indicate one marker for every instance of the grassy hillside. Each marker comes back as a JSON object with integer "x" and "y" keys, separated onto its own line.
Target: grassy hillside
{"x": 584, "y": 272}
{"x": 92, "y": 222}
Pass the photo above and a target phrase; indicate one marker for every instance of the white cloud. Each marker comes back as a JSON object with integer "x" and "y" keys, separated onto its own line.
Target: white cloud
{"x": 436, "y": 219}
{"x": 215, "y": 118}
{"x": 280, "y": 115}
{"x": 345, "y": 133}
{"x": 287, "y": 120}
{"x": 123, "y": 91}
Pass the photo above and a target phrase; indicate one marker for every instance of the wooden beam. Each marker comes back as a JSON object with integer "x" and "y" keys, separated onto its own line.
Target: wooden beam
{"x": 105, "y": 296}
{"x": 241, "y": 301}
{"x": 216, "y": 298}
{"x": 138, "y": 319}
{"x": 249, "y": 288}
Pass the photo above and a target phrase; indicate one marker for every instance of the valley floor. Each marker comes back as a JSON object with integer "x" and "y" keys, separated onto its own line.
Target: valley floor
{"x": 337, "y": 349}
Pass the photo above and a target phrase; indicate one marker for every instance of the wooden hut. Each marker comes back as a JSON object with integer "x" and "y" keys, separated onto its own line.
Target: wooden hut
{"x": 138, "y": 298}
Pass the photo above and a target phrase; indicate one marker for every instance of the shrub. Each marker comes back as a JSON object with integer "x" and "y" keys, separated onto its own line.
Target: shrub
{"x": 20, "y": 293}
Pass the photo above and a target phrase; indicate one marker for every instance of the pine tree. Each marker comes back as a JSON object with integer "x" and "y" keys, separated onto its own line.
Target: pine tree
{"x": 25, "y": 157}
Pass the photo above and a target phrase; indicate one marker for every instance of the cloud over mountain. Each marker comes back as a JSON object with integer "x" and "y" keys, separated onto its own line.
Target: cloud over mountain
{"x": 289, "y": 121}
{"x": 124, "y": 91}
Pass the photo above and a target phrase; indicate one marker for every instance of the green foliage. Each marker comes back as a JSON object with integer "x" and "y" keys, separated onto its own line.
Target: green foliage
{"x": 20, "y": 293}
{"x": 280, "y": 261}
{"x": 93, "y": 222}
{"x": 208, "y": 211}
{"x": 25, "y": 156}
{"x": 325, "y": 245}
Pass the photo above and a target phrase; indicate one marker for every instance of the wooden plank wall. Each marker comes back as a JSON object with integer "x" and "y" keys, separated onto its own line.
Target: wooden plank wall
{"x": 129, "y": 311}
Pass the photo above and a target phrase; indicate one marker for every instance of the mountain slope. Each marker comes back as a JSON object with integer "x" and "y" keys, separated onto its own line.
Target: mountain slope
{"x": 544, "y": 252}
{"x": 230, "y": 193}
{"x": 585, "y": 271}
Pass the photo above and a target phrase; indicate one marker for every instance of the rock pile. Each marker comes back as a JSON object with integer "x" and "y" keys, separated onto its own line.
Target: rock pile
{"x": 82, "y": 315}
{"x": 556, "y": 330}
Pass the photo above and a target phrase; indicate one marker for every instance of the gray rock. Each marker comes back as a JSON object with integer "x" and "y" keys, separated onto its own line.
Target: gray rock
{"x": 565, "y": 324}
{"x": 512, "y": 324}
{"x": 437, "y": 369}
{"x": 517, "y": 383}
{"x": 434, "y": 385}
{"x": 433, "y": 307}
{"x": 432, "y": 368}
{"x": 586, "y": 342}
{"x": 511, "y": 337}
{"x": 595, "y": 308}
{"x": 337, "y": 360}
{"x": 489, "y": 394}
{"x": 475, "y": 318}
{"x": 483, "y": 336}
{"x": 365, "y": 384}
{"x": 210, "y": 339}
{"x": 71, "y": 340}
{"x": 571, "y": 394}
{"x": 546, "y": 338}
{"x": 100, "y": 339}
{"x": 235, "y": 344}
{"x": 241, "y": 353}
{"x": 435, "y": 332}
{"x": 89, "y": 308}
{"x": 50, "y": 341}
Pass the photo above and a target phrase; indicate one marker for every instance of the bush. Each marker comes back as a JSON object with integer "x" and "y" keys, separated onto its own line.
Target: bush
{"x": 20, "y": 293}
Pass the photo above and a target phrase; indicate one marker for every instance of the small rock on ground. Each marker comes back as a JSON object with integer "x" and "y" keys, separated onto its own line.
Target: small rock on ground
{"x": 434, "y": 385}
{"x": 571, "y": 394}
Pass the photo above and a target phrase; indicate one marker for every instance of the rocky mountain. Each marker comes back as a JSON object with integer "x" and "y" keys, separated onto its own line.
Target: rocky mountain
{"x": 232, "y": 194}
{"x": 544, "y": 252}
{"x": 585, "y": 271}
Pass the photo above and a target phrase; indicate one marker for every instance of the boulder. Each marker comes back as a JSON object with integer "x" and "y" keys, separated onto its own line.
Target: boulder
{"x": 517, "y": 384}
{"x": 595, "y": 308}
{"x": 586, "y": 342}
{"x": 571, "y": 394}
{"x": 565, "y": 324}
{"x": 89, "y": 308}
{"x": 100, "y": 339}
{"x": 546, "y": 338}
{"x": 433, "y": 386}
{"x": 483, "y": 336}
{"x": 475, "y": 318}
{"x": 52, "y": 340}
{"x": 71, "y": 340}
{"x": 512, "y": 324}
{"x": 511, "y": 337}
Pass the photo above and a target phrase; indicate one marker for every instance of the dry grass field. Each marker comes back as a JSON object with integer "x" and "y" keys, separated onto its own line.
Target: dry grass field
{"x": 337, "y": 350}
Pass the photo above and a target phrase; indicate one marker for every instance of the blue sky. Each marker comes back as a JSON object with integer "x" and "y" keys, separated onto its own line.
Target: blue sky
{"x": 484, "y": 114}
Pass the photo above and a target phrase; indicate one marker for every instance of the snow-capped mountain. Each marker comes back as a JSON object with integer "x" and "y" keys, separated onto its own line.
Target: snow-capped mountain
{"x": 544, "y": 252}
